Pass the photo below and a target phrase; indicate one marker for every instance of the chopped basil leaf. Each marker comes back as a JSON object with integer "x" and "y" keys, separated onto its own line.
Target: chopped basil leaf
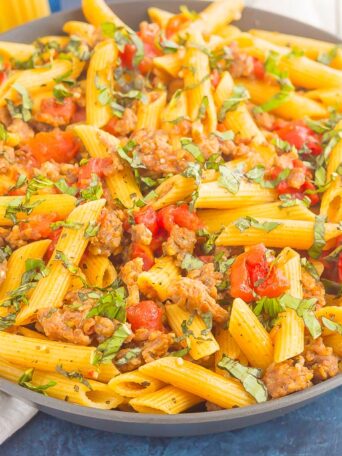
{"x": 202, "y": 110}
{"x": 239, "y": 94}
{"x": 193, "y": 149}
{"x": 111, "y": 305}
{"x": 7, "y": 321}
{"x": 193, "y": 170}
{"x": 91, "y": 229}
{"x": 257, "y": 174}
{"x": 229, "y": 179}
{"x": 310, "y": 268}
{"x": 78, "y": 48}
{"x": 271, "y": 306}
{"x": 209, "y": 244}
{"x": 106, "y": 351}
{"x": 66, "y": 262}
{"x": 244, "y": 223}
{"x": 5, "y": 253}
{"x": 25, "y": 380}
{"x": 180, "y": 353}
{"x": 94, "y": 191}
{"x": 225, "y": 135}
{"x": 305, "y": 309}
{"x": 333, "y": 256}
{"x": 315, "y": 250}
{"x": 207, "y": 317}
{"x": 248, "y": 376}
{"x": 284, "y": 146}
{"x": 190, "y": 262}
{"x": 73, "y": 375}
{"x": 332, "y": 325}
{"x": 22, "y": 111}
{"x": 36, "y": 184}
{"x": 60, "y": 92}
{"x": 289, "y": 200}
{"x": 327, "y": 57}
{"x": 21, "y": 181}
{"x": 132, "y": 353}
{"x": 3, "y": 132}
{"x": 18, "y": 205}
{"x": 65, "y": 224}
{"x": 63, "y": 187}
{"x": 222, "y": 263}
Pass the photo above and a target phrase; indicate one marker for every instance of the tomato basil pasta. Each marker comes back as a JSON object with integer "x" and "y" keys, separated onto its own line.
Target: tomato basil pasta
{"x": 170, "y": 212}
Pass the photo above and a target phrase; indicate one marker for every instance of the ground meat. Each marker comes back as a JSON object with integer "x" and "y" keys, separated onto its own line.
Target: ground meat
{"x": 108, "y": 239}
{"x": 242, "y": 64}
{"x": 158, "y": 155}
{"x": 208, "y": 276}
{"x": 68, "y": 324}
{"x": 132, "y": 364}
{"x": 296, "y": 178}
{"x": 313, "y": 289}
{"x": 22, "y": 129}
{"x": 209, "y": 145}
{"x": 5, "y": 117}
{"x": 40, "y": 126}
{"x": 112, "y": 150}
{"x": 3, "y": 271}
{"x": 157, "y": 346}
{"x": 141, "y": 234}
{"x": 127, "y": 123}
{"x": 129, "y": 274}
{"x": 180, "y": 242}
{"x": 55, "y": 171}
{"x": 320, "y": 360}
{"x": 263, "y": 119}
{"x": 194, "y": 295}
{"x": 287, "y": 377}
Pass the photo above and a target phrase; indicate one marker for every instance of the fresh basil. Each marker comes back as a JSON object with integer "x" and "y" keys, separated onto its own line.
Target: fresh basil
{"x": 25, "y": 380}
{"x": 91, "y": 230}
{"x": 131, "y": 354}
{"x": 315, "y": 250}
{"x": 72, "y": 268}
{"x": 190, "y": 262}
{"x": 229, "y": 179}
{"x": 107, "y": 351}
{"x": 248, "y": 376}
{"x": 188, "y": 145}
{"x": 305, "y": 309}
{"x": 65, "y": 224}
{"x": 332, "y": 325}
{"x": 63, "y": 187}
{"x": 73, "y": 375}
{"x": 111, "y": 305}
{"x": 310, "y": 268}
{"x": 244, "y": 223}
{"x": 239, "y": 94}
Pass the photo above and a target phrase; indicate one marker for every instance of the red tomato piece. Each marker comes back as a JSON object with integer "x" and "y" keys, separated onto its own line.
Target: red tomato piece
{"x": 93, "y": 166}
{"x": 183, "y": 217}
{"x": 40, "y": 225}
{"x": 157, "y": 242}
{"x": 148, "y": 217}
{"x": 54, "y": 236}
{"x": 165, "y": 218}
{"x": 298, "y": 134}
{"x": 176, "y": 23}
{"x": 146, "y": 314}
{"x": 64, "y": 110}
{"x": 251, "y": 275}
{"x": 61, "y": 146}
{"x": 215, "y": 78}
{"x": 144, "y": 252}
{"x": 79, "y": 116}
{"x": 258, "y": 69}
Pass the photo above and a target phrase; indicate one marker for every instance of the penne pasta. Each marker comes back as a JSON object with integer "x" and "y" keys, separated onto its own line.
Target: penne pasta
{"x": 297, "y": 234}
{"x": 99, "y": 144}
{"x": 98, "y": 270}
{"x": 134, "y": 384}
{"x": 45, "y": 355}
{"x": 149, "y": 112}
{"x": 213, "y": 196}
{"x": 201, "y": 342}
{"x": 216, "y": 219}
{"x": 99, "y": 79}
{"x": 245, "y": 327}
{"x": 197, "y": 380}
{"x": 71, "y": 244}
{"x": 157, "y": 281}
{"x": 168, "y": 400}
{"x": 61, "y": 205}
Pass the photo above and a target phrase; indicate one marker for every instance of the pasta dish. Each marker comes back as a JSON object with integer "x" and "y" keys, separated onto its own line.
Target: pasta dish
{"x": 170, "y": 212}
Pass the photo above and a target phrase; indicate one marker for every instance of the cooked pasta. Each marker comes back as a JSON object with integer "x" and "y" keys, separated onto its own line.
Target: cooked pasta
{"x": 170, "y": 211}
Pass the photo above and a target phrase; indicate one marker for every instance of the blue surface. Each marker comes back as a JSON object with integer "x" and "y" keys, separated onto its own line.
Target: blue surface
{"x": 314, "y": 430}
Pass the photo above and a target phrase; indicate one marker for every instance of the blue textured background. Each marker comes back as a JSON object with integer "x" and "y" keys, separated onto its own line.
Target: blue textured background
{"x": 314, "y": 430}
